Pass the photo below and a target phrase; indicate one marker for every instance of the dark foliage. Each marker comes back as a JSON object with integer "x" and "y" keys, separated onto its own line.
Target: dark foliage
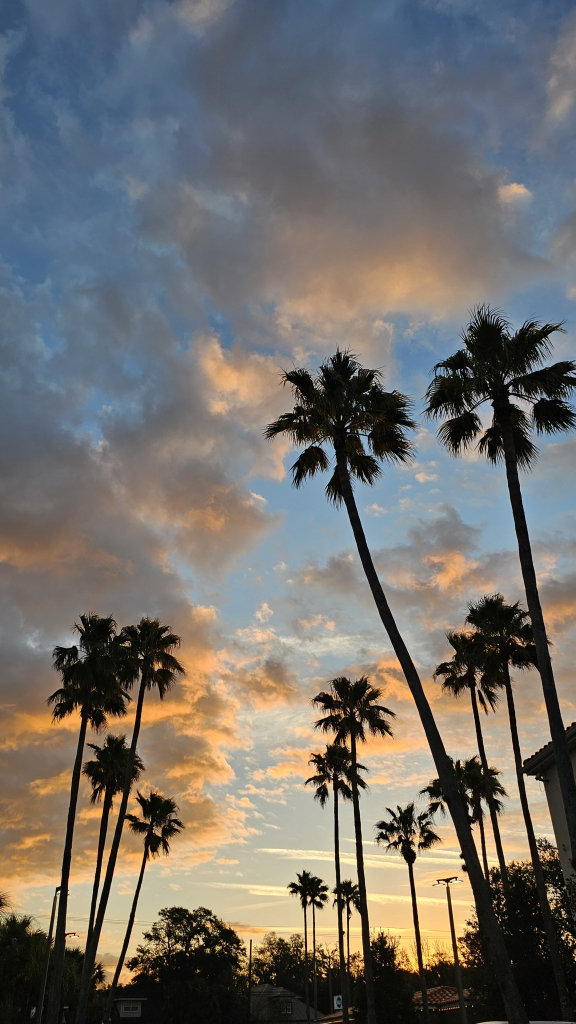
{"x": 393, "y": 984}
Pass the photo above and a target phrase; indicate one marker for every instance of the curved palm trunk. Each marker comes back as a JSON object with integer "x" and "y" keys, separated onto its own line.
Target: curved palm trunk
{"x": 425, "y": 1010}
{"x": 306, "y": 978}
{"x": 489, "y": 793}
{"x": 106, "y": 807}
{"x": 366, "y": 950}
{"x": 343, "y": 985}
{"x": 92, "y": 945}
{"x": 549, "y": 927}
{"x": 483, "y": 844}
{"x": 53, "y": 1012}
{"x": 315, "y": 988}
{"x": 516, "y": 1012}
{"x": 348, "y": 916}
{"x": 557, "y": 730}
{"x": 131, "y": 919}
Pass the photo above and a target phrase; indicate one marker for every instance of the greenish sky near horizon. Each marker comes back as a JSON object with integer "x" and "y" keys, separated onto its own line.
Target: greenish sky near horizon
{"x": 194, "y": 195}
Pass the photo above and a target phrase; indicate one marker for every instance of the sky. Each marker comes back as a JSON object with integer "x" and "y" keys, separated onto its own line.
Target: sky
{"x": 195, "y": 195}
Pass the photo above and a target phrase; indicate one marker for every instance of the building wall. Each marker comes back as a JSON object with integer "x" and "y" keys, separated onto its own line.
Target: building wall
{"x": 556, "y": 808}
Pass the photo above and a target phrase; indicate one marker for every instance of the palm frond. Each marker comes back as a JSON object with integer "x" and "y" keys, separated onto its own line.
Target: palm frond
{"x": 458, "y": 433}
{"x": 311, "y": 461}
{"x": 552, "y": 416}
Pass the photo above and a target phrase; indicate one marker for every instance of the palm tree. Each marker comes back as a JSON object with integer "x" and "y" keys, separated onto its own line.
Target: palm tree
{"x": 410, "y": 833}
{"x": 505, "y": 368}
{"x": 353, "y": 709}
{"x": 158, "y": 825}
{"x": 351, "y": 900}
{"x": 106, "y": 775}
{"x": 471, "y": 784}
{"x": 345, "y": 407}
{"x": 333, "y": 770}
{"x": 504, "y": 638}
{"x": 318, "y": 899}
{"x": 302, "y": 889}
{"x": 147, "y": 656}
{"x": 461, "y": 676}
{"x": 89, "y": 673}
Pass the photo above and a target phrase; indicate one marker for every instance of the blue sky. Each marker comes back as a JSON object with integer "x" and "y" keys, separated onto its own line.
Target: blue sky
{"x": 195, "y": 194}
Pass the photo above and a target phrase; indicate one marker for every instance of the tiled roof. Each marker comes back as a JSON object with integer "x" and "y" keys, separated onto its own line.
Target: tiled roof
{"x": 544, "y": 757}
{"x": 442, "y": 995}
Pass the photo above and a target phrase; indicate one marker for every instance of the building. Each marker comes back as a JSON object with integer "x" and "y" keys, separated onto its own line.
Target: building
{"x": 271, "y": 1005}
{"x": 442, "y": 999}
{"x": 542, "y": 766}
{"x": 130, "y": 1004}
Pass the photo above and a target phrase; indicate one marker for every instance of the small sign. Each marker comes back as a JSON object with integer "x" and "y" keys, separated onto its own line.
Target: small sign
{"x": 337, "y": 1002}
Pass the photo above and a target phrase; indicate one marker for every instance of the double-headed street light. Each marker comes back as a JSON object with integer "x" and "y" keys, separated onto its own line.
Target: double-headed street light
{"x": 448, "y": 882}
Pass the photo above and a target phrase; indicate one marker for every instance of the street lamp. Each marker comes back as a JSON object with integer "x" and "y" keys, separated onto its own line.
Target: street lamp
{"x": 448, "y": 882}
{"x": 47, "y": 960}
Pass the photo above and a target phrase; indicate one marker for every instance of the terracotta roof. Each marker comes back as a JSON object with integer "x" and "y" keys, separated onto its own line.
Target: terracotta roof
{"x": 442, "y": 995}
{"x": 544, "y": 757}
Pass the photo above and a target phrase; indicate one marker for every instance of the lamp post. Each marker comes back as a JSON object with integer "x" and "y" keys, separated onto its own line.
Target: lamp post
{"x": 47, "y": 961}
{"x": 447, "y": 882}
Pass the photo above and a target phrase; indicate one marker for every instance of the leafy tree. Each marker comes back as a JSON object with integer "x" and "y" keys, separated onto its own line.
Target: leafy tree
{"x": 526, "y": 939}
{"x": 506, "y": 369}
{"x": 392, "y": 983}
{"x": 106, "y": 774}
{"x": 158, "y": 825}
{"x": 461, "y": 676}
{"x": 280, "y": 962}
{"x": 345, "y": 407}
{"x": 503, "y": 637}
{"x": 90, "y": 686}
{"x": 147, "y": 656}
{"x": 409, "y": 834}
{"x": 353, "y": 710}
{"x": 195, "y": 961}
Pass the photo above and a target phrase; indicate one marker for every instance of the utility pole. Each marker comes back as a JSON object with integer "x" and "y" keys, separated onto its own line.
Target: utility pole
{"x": 447, "y": 882}
{"x": 42, "y": 995}
{"x": 249, "y": 980}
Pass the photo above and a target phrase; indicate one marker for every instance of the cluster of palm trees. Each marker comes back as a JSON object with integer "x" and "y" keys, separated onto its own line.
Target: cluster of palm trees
{"x": 97, "y": 674}
{"x": 346, "y": 421}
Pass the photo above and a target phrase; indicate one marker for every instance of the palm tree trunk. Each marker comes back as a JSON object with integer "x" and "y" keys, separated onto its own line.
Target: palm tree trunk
{"x": 557, "y": 731}
{"x": 348, "y": 916}
{"x": 549, "y": 927}
{"x": 106, "y": 806}
{"x": 483, "y": 844}
{"x": 343, "y": 985}
{"x": 425, "y": 1010}
{"x": 92, "y": 945}
{"x": 489, "y": 793}
{"x": 515, "y": 1010}
{"x": 53, "y": 1012}
{"x": 120, "y": 964}
{"x": 315, "y": 989}
{"x": 306, "y": 977}
{"x": 366, "y": 949}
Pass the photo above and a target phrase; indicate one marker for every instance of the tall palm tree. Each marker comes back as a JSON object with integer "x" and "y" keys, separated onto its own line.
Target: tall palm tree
{"x": 461, "y": 675}
{"x": 471, "y": 784}
{"x": 89, "y": 673}
{"x": 333, "y": 770}
{"x": 410, "y": 833}
{"x": 344, "y": 407}
{"x": 302, "y": 889}
{"x": 351, "y": 901}
{"x": 504, "y": 638}
{"x": 353, "y": 710}
{"x": 318, "y": 899}
{"x": 504, "y": 368}
{"x": 106, "y": 773}
{"x": 158, "y": 825}
{"x": 147, "y": 656}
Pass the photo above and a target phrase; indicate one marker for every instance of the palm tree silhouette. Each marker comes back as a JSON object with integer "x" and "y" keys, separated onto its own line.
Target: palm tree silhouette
{"x": 461, "y": 675}
{"x": 351, "y": 900}
{"x": 106, "y": 773}
{"x": 353, "y": 709}
{"x": 158, "y": 825}
{"x": 89, "y": 685}
{"x": 318, "y": 899}
{"x": 345, "y": 407}
{"x": 410, "y": 834}
{"x": 302, "y": 889}
{"x": 504, "y": 368}
{"x": 333, "y": 770}
{"x": 471, "y": 783}
{"x": 147, "y": 656}
{"x": 503, "y": 637}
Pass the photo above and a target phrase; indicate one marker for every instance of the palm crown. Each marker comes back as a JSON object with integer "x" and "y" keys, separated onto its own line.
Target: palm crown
{"x": 318, "y": 892}
{"x": 158, "y": 823}
{"x": 503, "y": 368}
{"x": 503, "y": 635}
{"x": 148, "y": 652}
{"x": 463, "y": 672}
{"x": 344, "y": 406}
{"x": 302, "y": 888}
{"x": 353, "y": 709}
{"x": 89, "y": 673}
{"x": 107, "y": 771}
{"x": 350, "y": 895}
{"x": 334, "y": 768}
{"x": 472, "y": 787}
{"x": 407, "y": 831}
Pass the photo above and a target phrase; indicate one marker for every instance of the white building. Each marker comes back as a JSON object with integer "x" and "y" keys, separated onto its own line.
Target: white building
{"x": 542, "y": 766}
